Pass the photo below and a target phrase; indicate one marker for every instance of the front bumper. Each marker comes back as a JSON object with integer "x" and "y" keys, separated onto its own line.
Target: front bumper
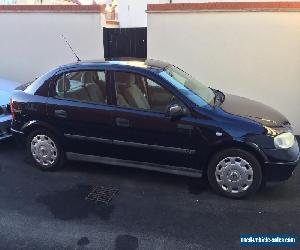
{"x": 281, "y": 163}
{"x": 5, "y": 123}
{"x": 280, "y": 171}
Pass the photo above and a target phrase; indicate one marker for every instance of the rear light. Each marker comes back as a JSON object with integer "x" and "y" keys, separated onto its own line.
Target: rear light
{"x": 12, "y": 110}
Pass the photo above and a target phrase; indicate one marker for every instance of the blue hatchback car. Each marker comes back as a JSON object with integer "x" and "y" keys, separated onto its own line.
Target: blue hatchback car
{"x": 152, "y": 115}
{"x": 6, "y": 89}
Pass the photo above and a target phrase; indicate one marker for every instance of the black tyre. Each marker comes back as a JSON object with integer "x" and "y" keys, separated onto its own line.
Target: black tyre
{"x": 44, "y": 150}
{"x": 234, "y": 173}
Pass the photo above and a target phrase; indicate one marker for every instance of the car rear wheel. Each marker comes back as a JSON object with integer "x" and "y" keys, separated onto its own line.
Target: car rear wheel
{"x": 234, "y": 173}
{"x": 44, "y": 150}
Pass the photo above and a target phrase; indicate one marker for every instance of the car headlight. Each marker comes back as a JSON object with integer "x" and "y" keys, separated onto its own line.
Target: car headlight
{"x": 284, "y": 140}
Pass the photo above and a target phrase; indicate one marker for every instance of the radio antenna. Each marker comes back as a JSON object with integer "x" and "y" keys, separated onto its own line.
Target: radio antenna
{"x": 69, "y": 45}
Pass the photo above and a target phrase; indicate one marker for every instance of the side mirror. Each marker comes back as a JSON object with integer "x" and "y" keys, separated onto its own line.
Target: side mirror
{"x": 175, "y": 110}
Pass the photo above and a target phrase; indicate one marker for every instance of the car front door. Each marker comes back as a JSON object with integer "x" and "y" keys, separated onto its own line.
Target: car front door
{"x": 142, "y": 130}
{"x": 79, "y": 106}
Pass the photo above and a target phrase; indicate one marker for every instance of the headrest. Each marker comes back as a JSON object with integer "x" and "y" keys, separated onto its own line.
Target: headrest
{"x": 124, "y": 79}
{"x": 60, "y": 84}
{"x": 89, "y": 77}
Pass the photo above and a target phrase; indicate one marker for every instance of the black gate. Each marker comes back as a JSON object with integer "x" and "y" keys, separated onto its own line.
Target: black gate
{"x": 125, "y": 42}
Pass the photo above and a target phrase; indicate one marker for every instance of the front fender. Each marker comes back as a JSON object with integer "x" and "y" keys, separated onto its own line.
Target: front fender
{"x": 238, "y": 143}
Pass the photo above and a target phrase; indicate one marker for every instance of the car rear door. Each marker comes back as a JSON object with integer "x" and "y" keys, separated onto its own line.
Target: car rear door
{"x": 141, "y": 129}
{"x": 79, "y": 106}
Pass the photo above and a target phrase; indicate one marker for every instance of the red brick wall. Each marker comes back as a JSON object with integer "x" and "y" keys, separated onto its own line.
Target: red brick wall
{"x": 226, "y": 6}
{"x": 53, "y": 8}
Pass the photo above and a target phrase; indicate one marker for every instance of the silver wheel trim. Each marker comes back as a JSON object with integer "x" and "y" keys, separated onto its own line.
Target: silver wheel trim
{"x": 43, "y": 150}
{"x": 234, "y": 174}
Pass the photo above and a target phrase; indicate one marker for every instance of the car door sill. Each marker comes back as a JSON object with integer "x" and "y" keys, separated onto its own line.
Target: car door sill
{"x": 132, "y": 144}
{"x": 135, "y": 164}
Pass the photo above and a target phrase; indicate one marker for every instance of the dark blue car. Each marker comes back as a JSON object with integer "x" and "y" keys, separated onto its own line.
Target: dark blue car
{"x": 152, "y": 115}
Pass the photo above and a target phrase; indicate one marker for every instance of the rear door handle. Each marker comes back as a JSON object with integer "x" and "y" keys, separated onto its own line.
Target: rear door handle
{"x": 121, "y": 122}
{"x": 60, "y": 113}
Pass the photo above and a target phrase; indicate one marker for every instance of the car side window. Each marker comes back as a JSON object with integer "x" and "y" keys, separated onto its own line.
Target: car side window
{"x": 137, "y": 91}
{"x": 87, "y": 86}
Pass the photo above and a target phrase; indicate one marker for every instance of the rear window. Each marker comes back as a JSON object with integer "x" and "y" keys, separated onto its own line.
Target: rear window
{"x": 33, "y": 87}
{"x": 23, "y": 86}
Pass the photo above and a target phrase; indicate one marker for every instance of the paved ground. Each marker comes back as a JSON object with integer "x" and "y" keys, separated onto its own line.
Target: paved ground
{"x": 40, "y": 210}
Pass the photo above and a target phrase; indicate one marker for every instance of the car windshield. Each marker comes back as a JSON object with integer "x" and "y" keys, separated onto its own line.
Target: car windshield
{"x": 189, "y": 85}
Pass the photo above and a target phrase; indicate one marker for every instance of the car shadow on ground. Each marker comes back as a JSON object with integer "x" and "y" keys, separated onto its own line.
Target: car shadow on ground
{"x": 195, "y": 185}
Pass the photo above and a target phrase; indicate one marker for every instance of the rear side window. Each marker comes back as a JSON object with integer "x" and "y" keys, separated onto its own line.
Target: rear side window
{"x": 87, "y": 86}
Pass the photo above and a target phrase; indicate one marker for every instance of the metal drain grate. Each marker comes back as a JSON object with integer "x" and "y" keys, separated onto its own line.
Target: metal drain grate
{"x": 102, "y": 194}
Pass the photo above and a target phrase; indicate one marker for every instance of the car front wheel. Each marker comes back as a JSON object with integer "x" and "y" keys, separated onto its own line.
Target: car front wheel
{"x": 234, "y": 173}
{"x": 44, "y": 150}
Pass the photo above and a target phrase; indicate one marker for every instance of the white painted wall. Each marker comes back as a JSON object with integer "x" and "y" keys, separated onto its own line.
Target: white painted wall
{"x": 31, "y": 43}
{"x": 132, "y": 13}
{"x": 213, "y": 1}
{"x": 251, "y": 54}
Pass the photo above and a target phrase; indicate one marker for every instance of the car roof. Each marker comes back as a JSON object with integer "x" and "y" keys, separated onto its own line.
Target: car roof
{"x": 132, "y": 62}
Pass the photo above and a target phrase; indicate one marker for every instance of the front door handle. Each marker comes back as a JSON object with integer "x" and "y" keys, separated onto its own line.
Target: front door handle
{"x": 121, "y": 122}
{"x": 60, "y": 113}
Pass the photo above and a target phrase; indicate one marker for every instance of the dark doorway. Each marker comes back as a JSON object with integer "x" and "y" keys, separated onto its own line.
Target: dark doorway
{"x": 125, "y": 42}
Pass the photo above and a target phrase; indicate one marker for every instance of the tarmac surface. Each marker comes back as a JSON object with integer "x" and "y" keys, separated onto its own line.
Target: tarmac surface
{"x": 50, "y": 210}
